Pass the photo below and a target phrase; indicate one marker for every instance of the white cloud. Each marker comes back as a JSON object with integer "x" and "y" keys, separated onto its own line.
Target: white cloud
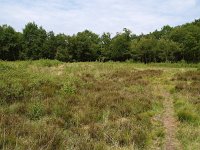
{"x": 72, "y": 16}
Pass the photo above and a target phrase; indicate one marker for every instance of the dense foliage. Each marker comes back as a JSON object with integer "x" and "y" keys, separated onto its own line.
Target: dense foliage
{"x": 181, "y": 43}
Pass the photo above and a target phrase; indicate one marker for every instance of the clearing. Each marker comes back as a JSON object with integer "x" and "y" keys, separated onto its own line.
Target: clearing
{"x": 84, "y": 106}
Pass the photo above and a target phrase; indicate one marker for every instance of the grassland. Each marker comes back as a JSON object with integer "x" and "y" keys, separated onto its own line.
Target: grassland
{"x": 53, "y": 105}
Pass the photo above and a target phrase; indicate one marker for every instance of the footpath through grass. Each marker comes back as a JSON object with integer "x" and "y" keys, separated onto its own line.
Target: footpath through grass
{"x": 52, "y": 105}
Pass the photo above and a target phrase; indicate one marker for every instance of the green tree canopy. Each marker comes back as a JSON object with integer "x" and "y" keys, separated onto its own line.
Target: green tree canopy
{"x": 9, "y": 43}
{"x": 34, "y": 38}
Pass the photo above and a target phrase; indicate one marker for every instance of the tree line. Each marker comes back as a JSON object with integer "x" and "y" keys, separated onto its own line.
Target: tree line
{"x": 170, "y": 44}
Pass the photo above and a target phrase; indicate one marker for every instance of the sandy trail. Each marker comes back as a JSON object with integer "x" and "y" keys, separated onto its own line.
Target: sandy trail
{"x": 170, "y": 122}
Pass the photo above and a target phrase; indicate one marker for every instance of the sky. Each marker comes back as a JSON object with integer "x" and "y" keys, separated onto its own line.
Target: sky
{"x": 72, "y": 16}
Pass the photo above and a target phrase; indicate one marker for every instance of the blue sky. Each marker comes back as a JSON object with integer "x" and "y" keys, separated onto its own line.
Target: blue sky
{"x": 72, "y": 16}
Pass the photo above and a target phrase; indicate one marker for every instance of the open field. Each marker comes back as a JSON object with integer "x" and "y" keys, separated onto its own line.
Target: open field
{"x": 119, "y": 106}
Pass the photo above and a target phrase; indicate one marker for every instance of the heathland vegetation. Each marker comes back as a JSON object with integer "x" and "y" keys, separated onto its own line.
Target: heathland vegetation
{"x": 170, "y": 44}
{"x": 47, "y": 104}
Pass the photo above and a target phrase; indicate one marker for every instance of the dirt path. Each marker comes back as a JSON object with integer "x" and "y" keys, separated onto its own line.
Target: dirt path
{"x": 162, "y": 88}
{"x": 170, "y": 122}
